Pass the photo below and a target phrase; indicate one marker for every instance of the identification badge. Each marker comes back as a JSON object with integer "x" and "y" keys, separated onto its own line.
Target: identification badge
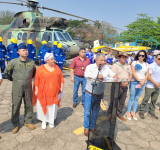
{"x": 82, "y": 68}
{"x": 91, "y": 147}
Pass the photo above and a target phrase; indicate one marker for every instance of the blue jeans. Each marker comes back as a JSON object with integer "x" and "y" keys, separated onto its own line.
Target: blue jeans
{"x": 95, "y": 110}
{"x": 77, "y": 82}
{"x": 135, "y": 93}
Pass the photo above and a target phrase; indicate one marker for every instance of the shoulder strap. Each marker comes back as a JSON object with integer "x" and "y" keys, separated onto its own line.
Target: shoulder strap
{"x": 122, "y": 67}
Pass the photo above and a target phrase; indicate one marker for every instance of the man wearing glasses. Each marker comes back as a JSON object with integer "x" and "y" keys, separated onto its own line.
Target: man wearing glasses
{"x": 152, "y": 89}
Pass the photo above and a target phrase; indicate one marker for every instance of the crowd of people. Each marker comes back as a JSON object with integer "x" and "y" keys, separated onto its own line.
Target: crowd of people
{"x": 49, "y": 82}
{"x": 141, "y": 69}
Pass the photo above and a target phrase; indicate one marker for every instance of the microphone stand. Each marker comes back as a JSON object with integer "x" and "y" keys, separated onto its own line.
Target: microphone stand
{"x": 93, "y": 86}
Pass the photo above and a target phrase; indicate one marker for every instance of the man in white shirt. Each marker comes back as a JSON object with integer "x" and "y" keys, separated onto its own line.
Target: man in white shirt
{"x": 0, "y": 77}
{"x": 152, "y": 89}
{"x": 91, "y": 74}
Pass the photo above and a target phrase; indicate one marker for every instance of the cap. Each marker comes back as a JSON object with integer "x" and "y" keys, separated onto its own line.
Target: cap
{"x": 89, "y": 47}
{"x": 22, "y": 46}
{"x": 133, "y": 53}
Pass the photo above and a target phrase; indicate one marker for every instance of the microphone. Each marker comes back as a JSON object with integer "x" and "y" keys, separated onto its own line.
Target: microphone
{"x": 99, "y": 68}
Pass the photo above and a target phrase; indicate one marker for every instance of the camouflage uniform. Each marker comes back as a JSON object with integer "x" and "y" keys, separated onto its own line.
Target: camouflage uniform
{"x": 21, "y": 72}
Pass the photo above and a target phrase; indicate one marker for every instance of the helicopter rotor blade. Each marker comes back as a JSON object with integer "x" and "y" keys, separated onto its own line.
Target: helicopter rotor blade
{"x": 22, "y": 4}
{"x": 22, "y": 1}
{"x": 77, "y": 17}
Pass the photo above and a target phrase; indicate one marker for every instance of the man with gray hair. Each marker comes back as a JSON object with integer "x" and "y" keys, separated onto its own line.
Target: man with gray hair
{"x": 91, "y": 74}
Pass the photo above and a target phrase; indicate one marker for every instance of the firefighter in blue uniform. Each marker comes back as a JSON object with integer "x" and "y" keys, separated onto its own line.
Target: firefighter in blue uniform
{"x": 42, "y": 51}
{"x": 90, "y": 54}
{"x": 150, "y": 57}
{"x": 9, "y": 47}
{"x": 31, "y": 50}
{"x": 54, "y": 47}
{"x": 59, "y": 56}
{"x": 13, "y": 52}
{"x": 3, "y": 56}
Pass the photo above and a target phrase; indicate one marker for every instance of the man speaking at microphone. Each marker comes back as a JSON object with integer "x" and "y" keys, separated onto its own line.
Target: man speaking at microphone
{"x": 90, "y": 74}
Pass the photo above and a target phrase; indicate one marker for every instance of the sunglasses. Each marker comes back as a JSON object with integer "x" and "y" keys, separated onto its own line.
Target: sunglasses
{"x": 158, "y": 58}
{"x": 140, "y": 55}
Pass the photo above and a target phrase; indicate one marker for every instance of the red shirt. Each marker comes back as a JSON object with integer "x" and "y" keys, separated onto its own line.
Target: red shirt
{"x": 79, "y": 65}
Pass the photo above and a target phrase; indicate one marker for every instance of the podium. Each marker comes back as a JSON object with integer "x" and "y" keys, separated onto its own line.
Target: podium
{"x": 106, "y": 120}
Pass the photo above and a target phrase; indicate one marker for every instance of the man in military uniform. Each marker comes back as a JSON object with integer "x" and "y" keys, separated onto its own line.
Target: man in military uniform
{"x": 21, "y": 71}
{"x": 31, "y": 50}
{"x": 42, "y": 51}
{"x": 3, "y": 55}
{"x": 59, "y": 56}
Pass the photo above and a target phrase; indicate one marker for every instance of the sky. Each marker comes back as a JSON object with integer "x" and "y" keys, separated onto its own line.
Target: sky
{"x": 119, "y": 13}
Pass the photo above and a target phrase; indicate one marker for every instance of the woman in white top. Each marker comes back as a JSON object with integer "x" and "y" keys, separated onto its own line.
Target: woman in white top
{"x": 140, "y": 73}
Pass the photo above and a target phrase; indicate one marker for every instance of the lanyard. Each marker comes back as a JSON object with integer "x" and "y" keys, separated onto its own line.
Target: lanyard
{"x": 122, "y": 68}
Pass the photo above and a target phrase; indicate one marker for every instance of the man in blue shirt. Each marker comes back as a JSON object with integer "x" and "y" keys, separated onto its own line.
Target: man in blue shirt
{"x": 42, "y": 51}
{"x": 2, "y": 56}
{"x": 90, "y": 54}
{"x": 59, "y": 56}
{"x": 31, "y": 50}
{"x": 150, "y": 57}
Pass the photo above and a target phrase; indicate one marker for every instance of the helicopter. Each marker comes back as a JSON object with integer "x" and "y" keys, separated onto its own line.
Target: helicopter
{"x": 33, "y": 25}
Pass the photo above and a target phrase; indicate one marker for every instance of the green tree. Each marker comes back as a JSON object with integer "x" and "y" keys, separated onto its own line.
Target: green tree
{"x": 6, "y": 17}
{"x": 143, "y": 26}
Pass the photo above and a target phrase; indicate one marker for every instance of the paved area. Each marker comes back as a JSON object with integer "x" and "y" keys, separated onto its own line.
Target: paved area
{"x": 68, "y": 132}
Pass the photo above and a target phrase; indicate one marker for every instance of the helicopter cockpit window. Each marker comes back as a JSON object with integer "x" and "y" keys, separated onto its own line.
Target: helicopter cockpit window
{"x": 19, "y": 37}
{"x": 32, "y": 35}
{"x": 50, "y": 36}
{"x": 9, "y": 35}
{"x": 44, "y": 37}
{"x": 24, "y": 37}
{"x": 59, "y": 36}
{"x": 67, "y": 36}
{"x": 13, "y": 23}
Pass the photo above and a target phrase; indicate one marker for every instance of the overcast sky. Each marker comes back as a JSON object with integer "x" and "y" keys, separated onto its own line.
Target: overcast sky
{"x": 117, "y": 12}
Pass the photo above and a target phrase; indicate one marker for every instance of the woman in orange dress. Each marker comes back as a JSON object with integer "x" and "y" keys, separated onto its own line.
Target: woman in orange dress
{"x": 48, "y": 84}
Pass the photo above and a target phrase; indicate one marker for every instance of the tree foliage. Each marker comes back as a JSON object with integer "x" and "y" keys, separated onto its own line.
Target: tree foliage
{"x": 144, "y": 26}
{"x": 90, "y": 32}
{"x": 6, "y": 17}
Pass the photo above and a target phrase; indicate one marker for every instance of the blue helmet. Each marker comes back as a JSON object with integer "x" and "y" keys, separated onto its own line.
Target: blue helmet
{"x": 89, "y": 47}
